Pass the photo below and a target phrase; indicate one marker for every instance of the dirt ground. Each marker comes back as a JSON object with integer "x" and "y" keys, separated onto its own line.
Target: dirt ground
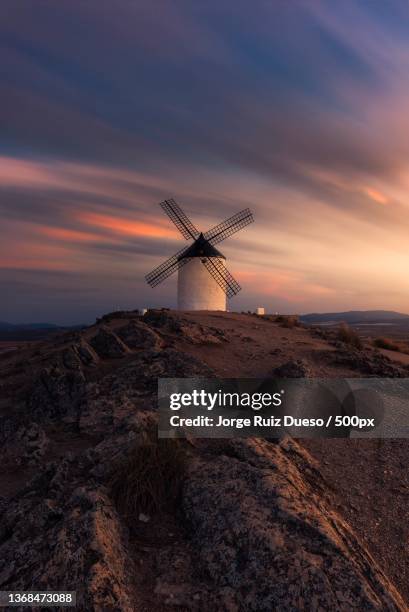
{"x": 256, "y": 346}
{"x": 369, "y": 478}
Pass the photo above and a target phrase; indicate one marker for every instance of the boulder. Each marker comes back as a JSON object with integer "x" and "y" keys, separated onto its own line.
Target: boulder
{"x": 292, "y": 369}
{"x": 75, "y": 541}
{"x": 86, "y": 354}
{"x": 369, "y": 362}
{"x": 160, "y": 318}
{"x": 190, "y": 331}
{"x": 57, "y": 394}
{"x": 138, "y": 335}
{"x": 79, "y": 354}
{"x": 70, "y": 358}
{"x": 32, "y": 444}
{"x": 107, "y": 344}
{"x": 269, "y": 540}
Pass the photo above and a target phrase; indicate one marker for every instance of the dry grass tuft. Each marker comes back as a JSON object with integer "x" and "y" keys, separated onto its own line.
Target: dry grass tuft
{"x": 288, "y": 321}
{"x": 150, "y": 477}
{"x": 386, "y": 343}
{"x": 349, "y": 336}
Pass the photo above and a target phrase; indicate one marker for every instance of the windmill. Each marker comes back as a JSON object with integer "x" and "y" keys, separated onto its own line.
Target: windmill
{"x": 204, "y": 282}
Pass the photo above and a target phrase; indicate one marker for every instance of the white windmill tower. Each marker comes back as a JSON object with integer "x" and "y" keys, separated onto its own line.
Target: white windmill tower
{"x": 203, "y": 279}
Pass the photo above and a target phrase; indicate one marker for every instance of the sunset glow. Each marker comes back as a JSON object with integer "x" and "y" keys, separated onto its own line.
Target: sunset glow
{"x": 309, "y": 130}
{"x": 376, "y": 195}
{"x": 127, "y": 227}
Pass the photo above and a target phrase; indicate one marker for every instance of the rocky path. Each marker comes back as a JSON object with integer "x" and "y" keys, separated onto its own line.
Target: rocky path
{"x": 248, "y": 524}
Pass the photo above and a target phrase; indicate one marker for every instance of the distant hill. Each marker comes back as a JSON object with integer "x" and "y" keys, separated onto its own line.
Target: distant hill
{"x": 355, "y": 317}
{"x": 30, "y": 331}
{"x": 19, "y": 326}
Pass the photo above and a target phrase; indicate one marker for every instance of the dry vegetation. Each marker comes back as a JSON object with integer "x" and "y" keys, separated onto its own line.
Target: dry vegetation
{"x": 349, "y": 336}
{"x": 149, "y": 478}
{"x": 288, "y": 321}
{"x": 386, "y": 343}
{"x": 390, "y": 345}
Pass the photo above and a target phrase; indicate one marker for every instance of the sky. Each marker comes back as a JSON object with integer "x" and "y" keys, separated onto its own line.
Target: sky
{"x": 297, "y": 110}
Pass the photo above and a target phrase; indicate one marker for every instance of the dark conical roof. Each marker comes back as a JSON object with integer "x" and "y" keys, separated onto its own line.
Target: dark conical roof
{"x": 201, "y": 248}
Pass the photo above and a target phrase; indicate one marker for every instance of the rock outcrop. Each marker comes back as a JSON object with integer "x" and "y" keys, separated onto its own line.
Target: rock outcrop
{"x": 57, "y": 393}
{"x": 268, "y": 539}
{"x": 292, "y": 369}
{"x": 138, "y": 335}
{"x": 254, "y": 529}
{"x": 370, "y": 363}
{"x": 67, "y": 538}
{"x": 79, "y": 354}
{"x": 107, "y": 344}
{"x": 190, "y": 331}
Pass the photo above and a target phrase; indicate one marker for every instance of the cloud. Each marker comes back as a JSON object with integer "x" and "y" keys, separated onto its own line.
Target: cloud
{"x": 297, "y": 110}
{"x": 126, "y": 227}
{"x": 375, "y": 195}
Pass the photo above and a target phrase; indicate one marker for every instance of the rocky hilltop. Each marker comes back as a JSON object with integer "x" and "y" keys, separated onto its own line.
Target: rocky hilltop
{"x": 91, "y": 501}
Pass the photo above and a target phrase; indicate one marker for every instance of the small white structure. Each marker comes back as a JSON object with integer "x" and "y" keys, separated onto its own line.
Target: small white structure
{"x": 197, "y": 289}
{"x": 260, "y": 310}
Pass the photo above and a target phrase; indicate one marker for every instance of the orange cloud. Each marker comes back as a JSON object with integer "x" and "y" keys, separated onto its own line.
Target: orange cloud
{"x": 67, "y": 235}
{"x": 375, "y": 195}
{"x": 127, "y": 227}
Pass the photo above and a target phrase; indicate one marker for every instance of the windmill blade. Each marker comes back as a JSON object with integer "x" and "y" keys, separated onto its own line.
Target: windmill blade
{"x": 230, "y": 226}
{"x": 167, "y": 268}
{"x": 180, "y": 219}
{"x": 222, "y": 276}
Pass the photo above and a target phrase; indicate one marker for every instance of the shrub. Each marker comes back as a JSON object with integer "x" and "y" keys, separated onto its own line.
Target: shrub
{"x": 385, "y": 343}
{"x": 288, "y": 321}
{"x": 150, "y": 477}
{"x": 348, "y": 336}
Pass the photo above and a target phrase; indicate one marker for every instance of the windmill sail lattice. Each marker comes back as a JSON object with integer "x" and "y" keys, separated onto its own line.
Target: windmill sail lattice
{"x": 180, "y": 219}
{"x": 229, "y": 227}
{"x": 166, "y": 268}
{"x": 222, "y": 276}
{"x": 202, "y": 254}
